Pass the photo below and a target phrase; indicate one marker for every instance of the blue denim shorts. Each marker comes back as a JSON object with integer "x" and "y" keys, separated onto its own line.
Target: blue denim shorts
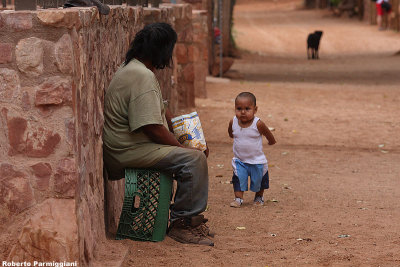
{"x": 259, "y": 178}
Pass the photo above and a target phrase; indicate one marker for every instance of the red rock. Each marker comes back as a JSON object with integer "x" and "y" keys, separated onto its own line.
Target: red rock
{"x": 9, "y": 84}
{"x": 60, "y": 18}
{"x": 42, "y": 171}
{"x": 18, "y": 21}
{"x": 64, "y": 54}
{"x": 7, "y": 172}
{"x": 54, "y": 91}
{"x": 41, "y": 143}
{"x": 16, "y": 135}
{"x": 5, "y": 53}
{"x": 15, "y": 192}
{"x": 29, "y": 56}
{"x": 49, "y": 235}
{"x": 66, "y": 177}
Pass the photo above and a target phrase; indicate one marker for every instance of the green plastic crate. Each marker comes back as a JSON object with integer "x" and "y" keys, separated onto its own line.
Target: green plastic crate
{"x": 145, "y": 210}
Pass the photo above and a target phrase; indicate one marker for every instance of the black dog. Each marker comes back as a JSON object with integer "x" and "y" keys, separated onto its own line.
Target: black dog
{"x": 313, "y": 44}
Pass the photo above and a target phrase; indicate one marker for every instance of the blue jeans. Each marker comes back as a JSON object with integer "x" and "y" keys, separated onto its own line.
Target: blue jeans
{"x": 259, "y": 178}
{"x": 189, "y": 168}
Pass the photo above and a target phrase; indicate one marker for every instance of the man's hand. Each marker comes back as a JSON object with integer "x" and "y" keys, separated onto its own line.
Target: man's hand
{"x": 160, "y": 135}
{"x": 207, "y": 152}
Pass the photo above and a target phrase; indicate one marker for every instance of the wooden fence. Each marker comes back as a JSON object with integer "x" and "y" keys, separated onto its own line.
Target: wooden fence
{"x": 33, "y": 5}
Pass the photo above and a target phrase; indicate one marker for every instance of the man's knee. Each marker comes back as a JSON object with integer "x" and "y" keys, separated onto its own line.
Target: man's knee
{"x": 196, "y": 155}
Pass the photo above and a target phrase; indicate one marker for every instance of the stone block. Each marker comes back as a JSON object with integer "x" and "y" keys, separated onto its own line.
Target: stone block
{"x": 9, "y": 84}
{"x": 65, "y": 18}
{"x": 50, "y": 234}
{"x": 42, "y": 172}
{"x": 54, "y": 91}
{"x": 64, "y": 54}
{"x": 16, "y": 135}
{"x": 41, "y": 142}
{"x": 18, "y": 21}
{"x": 16, "y": 195}
{"x": 66, "y": 177}
{"x": 5, "y": 53}
{"x": 29, "y": 56}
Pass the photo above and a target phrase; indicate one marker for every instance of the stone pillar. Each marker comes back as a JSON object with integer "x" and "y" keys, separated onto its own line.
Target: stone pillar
{"x": 184, "y": 55}
{"x": 38, "y": 163}
{"x": 200, "y": 52}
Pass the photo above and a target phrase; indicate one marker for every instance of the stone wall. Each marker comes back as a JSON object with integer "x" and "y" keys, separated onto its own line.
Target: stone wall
{"x": 54, "y": 67}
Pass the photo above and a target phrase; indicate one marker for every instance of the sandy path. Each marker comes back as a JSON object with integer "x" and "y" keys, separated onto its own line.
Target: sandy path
{"x": 335, "y": 170}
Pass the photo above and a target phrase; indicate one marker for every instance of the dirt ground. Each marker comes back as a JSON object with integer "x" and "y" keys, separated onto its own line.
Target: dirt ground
{"x": 335, "y": 170}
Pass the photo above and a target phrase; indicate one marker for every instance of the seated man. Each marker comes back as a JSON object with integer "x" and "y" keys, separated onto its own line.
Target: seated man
{"x": 137, "y": 132}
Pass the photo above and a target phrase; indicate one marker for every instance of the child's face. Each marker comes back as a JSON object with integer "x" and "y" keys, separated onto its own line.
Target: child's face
{"x": 245, "y": 109}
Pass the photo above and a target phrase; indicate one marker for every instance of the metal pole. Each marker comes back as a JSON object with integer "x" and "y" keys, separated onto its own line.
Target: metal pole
{"x": 221, "y": 50}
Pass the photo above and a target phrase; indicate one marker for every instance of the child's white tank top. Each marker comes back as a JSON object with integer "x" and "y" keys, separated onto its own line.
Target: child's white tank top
{"x": 247, "y": 143}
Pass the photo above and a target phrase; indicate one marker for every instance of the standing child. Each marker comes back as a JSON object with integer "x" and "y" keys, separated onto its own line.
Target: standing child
{"x": 248, "y": 156}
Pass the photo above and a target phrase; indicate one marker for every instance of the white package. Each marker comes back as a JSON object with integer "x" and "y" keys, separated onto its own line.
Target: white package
{"x": 187, "y": 129}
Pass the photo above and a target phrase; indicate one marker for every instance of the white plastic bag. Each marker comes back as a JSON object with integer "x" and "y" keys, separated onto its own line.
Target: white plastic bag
{"x": 188, "y": 131}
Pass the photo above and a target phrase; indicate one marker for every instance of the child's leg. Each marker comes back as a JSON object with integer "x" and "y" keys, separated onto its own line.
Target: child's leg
{"x": 259, "y": 182}
{"x": 239, "y": 194}
{"x": 259, "y": 193}
{"x": 239, "y": 181}
{"x": 237, "y": 190}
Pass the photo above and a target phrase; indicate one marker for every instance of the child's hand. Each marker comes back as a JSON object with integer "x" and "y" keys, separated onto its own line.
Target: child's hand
{"x": 272, "y": 142}
{"x": 263, "y": 129}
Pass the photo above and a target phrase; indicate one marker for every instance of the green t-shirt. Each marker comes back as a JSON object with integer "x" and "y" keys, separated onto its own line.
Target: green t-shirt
{"x": 132, "y": 100}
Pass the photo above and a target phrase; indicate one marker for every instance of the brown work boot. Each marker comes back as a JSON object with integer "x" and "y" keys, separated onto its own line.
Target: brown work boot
{"x": 200, "y": 221}
{"x": 182, "y": 231}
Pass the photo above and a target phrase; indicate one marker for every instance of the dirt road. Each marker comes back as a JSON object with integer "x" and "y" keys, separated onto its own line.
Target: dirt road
{"x": 334, "y": 197}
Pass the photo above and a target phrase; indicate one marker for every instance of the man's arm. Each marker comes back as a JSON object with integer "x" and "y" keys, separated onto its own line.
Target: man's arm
{"x": 168, "y": 117}
{"x": 263, "y": 129}
{"x": 160, "y": 135}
